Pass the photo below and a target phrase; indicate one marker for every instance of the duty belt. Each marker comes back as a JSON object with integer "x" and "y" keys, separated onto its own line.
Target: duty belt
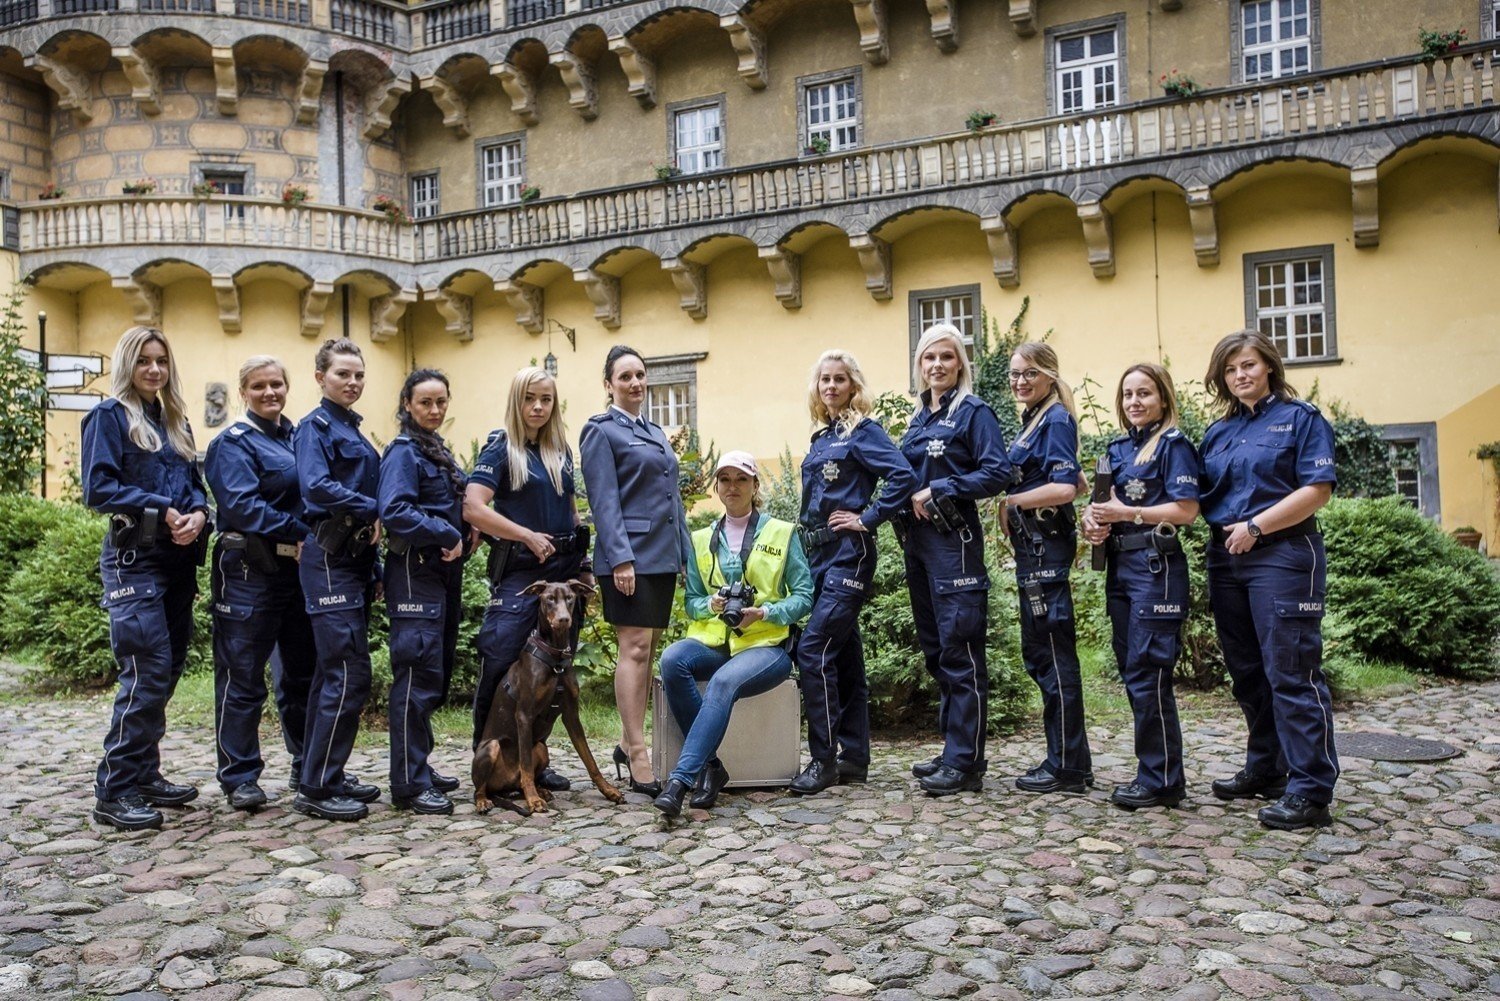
{"x": 1159, "y": 541}
{"x": 244, "y": 540}
{"x": 1307, "y": 527}
{"x": 815, "y": 537}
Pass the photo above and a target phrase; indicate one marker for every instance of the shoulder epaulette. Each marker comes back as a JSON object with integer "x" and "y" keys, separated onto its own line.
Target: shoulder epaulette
{"x": 1172, "y": 433}
{"x": 496, "y": 435}
{"x": 599, "y": 418}
{"x": 1311, "y": 408}
{"x": 322, "y": 419}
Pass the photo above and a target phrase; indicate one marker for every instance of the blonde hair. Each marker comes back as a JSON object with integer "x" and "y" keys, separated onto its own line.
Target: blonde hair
{"x": 930, "y": 336}
{"x": 1045, "y": 359}
{"x": 551, "y": 437}
{"x": 173, "y": 410}
{"x": 1168, "y": 393}
{"x": 859, "y": 401}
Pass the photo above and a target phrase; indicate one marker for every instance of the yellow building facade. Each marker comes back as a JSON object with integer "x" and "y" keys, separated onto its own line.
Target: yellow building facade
{"x": 733, "y": 187}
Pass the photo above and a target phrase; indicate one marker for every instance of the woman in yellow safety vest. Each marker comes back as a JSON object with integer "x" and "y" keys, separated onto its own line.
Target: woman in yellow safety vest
{"x": 747, "y": 582}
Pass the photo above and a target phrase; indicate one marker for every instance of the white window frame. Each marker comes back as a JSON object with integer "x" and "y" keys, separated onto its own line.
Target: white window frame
{"x": 1094, "y": 72}
{"x": 676, "y": 378}
{"x": 226, "y": 174}
{"x": 1412, "y": 447}
{"x": 1489, "y": 19}
{"x": 426, "y": 195}
{"x": 502, "y": 170}
{"x": 956, "y": 304}
{"x": 838, "y": 95}
{"x": 1422, "y": 436}
{"x": 702, "y": 149}
{"x": 1305, "y": 273}
{"x": 1284, "y": 41}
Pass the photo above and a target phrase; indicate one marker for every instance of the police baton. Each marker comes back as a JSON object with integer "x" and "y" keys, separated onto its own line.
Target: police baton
{"x": 1103, "y": 487}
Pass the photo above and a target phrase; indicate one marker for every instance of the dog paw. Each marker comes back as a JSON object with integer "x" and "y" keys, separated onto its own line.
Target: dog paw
{"x": 537, "y": 805}
{"x": 482, "y": 805}
{"x": 613, "y": 795}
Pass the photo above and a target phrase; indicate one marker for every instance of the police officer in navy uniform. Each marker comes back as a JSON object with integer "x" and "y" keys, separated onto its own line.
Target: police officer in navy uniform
{"x": 339, "y": 472}
{"x": 139, "y": 467}
{"x": 1039, "y": 516}
{"x": 1154, "y": 471}
{"x": 848, "y": 456}
{"x": 957, "y": 449}
{"x": 258, "y": 605}
{"x": 1268, "y": 467}
{"x": 421, "y": 514}
{"x": 520, "y": 495}
{"x": 641, "y": 542}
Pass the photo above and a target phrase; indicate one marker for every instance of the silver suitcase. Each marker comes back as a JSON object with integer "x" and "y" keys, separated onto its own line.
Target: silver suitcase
{"x": 763, "y": 746}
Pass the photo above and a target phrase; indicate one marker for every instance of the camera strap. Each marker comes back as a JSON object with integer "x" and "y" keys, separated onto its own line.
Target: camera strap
{"x": 716, "y": 540}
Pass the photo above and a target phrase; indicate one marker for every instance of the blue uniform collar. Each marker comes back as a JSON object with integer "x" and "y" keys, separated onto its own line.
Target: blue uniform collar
{"x": 944, "y": 401}
{"x": 1138, "y": 435}
{"x": 1265, "y": 403}
{"x": 1047, "y": 401}
{"x": 343, "y": 413}
{"x": 281, "y": 428}
{"x": 152, "y": 409}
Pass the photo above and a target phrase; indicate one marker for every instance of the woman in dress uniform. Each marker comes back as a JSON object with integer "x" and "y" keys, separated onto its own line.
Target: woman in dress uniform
{"x": 956, "y": 448}
{"x": 1154, "y": 469}
{"x": 849, "y": 455}
{"x": 641, "y": 542}
{"x": 139, "y": 467}
{"x": 1267, "y": 469}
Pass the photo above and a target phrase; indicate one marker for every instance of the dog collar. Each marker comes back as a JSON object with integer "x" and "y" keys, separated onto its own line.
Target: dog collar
{"x": 557, "y": 658}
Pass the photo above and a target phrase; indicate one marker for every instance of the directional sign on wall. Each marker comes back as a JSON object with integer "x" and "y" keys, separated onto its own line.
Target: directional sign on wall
{"x": 80, "y": 402}
{"x": 73, "y": 371}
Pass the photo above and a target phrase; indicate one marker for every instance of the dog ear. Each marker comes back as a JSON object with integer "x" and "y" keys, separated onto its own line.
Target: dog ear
{"x": 536, "y": 588}
{"x": 580, "y": 588}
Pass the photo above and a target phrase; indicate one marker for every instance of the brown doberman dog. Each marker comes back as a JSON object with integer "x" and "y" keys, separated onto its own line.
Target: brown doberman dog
{"x": 513, "y": 745}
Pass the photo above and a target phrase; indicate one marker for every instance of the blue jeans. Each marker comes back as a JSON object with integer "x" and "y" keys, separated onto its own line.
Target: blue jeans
{"x": 704, "y": 718}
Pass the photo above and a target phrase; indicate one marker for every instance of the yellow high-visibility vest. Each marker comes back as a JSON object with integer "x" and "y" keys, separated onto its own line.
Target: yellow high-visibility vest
{"x": 765, "y": 568}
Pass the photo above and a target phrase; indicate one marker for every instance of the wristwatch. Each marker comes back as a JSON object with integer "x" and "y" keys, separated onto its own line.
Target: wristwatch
{"x": 1252, "y": 528}
{"x": 1138, "y": 517}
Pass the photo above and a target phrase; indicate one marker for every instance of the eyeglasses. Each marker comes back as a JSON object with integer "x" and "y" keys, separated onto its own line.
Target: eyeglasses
{"x": 1030, "y": 375}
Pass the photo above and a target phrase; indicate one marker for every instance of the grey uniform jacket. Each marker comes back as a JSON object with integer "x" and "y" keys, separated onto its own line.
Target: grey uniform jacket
{"x": 630, "y": 473}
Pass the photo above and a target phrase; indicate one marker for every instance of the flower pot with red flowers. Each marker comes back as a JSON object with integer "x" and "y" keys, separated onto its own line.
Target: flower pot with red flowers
{"x": 1437, "y": 44}
{"x": 207, "y": 189}
{"x": 393, "y": 210}
{"x": 50, "y": 192}
{"x": 1177, "y": 84}
{"x": 293, "y": 195}
{"x": 140, "y": 186}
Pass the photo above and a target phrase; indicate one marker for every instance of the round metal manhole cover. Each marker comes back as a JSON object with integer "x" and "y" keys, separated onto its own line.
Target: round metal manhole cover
{"x": 1393, "y": 747}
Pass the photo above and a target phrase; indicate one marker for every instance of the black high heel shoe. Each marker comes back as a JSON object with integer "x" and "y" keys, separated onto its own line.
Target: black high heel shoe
{"x": 622, "y": 773}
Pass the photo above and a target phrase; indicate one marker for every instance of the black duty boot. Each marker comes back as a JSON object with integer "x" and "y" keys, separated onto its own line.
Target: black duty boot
{"x": 1137, "y": 796}
{"x": 1244, "y": 785}
{"x": 164, "y": 793}
{"x": 247, "y": 796}
{"x": 332, "y": 808}
{"x": 1041, "y": 780}
{"x": 819, "y": 774}
{"x": 444, "y": 783}
{"x": 1292, "y": 813}
{"x": 852, "y": 773}
{"x": 550, "y": 780}
{"x": 128, "y": 813}
{"x": 715, "y": 776}
{"x": 948, "y": 780}
{"x": 428, "y": 801}
{"x": 922, "y": 769}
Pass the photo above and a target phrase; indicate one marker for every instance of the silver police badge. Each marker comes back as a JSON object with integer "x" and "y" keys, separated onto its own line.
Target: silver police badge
{"x": 830, "y": 471}
{"x": 936, "y": 447}
{"x": 1135, "y": 489}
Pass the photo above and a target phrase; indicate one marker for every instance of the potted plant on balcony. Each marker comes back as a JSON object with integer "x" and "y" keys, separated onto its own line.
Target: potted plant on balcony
{"x": 1436, "y": 44}
{"x": 206, "y": 189}
{"x": 530, "y": 193}
{"x": 139, "y": 186}
{"x": 393, "y": 210}
{"x": 818, "y": 146}
{"x": 293, "y": 195}
{"x": 979, "y": 119}
{"x": 50, "y": 192}
{"x": 1178, "y": 84}
{"x": 665, "y": 171}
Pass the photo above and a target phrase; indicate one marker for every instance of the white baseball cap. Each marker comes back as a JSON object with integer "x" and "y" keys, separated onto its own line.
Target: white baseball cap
{"x": 743, "y": 461}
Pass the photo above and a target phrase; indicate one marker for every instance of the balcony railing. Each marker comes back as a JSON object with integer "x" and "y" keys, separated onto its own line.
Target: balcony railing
{"x": 519, "y": 12}
{"x": 285, "y": 11}
{"x": 1395, "y": 92}
{"x": 84, "y": 6}
{"x": 1220, "y": 120}
{"x": 17, "y": 12}
{"x": 176, "y": 6}
{"x": 251, "y": 222}
{"x": 363, "y": 19}
{"x": 453, "y": 21}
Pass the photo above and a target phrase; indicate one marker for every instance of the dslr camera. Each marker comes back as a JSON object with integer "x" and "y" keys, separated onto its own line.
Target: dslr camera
{"x": 737, "y": 597}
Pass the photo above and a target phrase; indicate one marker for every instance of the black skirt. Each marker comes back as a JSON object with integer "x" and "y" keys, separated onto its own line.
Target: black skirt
{"x": 649, "y": 608}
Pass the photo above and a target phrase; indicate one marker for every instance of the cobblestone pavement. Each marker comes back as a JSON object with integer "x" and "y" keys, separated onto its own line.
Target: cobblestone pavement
{"x": 869, "y": 891}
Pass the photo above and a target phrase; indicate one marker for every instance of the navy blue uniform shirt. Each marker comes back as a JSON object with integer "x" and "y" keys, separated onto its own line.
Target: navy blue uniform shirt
{"x": 252, "y": 469}
{"x": 419, "y": 503}
{"x": 537, "y": 505}
{"x": 1049, "y": 454}
{"x": 1170, "y": 475}
{"x": 958, "y": 451}
{"x": 121, "y": 478}
{"x": 339, "y": 471}
{"x": 840, "y": 473}
{"x": 1260, "y": 454}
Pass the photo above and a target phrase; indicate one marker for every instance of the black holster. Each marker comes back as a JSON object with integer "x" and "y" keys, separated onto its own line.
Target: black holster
{"x": 143, "y": 532}
{"x": 499, "y": 560}
{"x": 343, "y": 535}
{"x": 260, "y": 554}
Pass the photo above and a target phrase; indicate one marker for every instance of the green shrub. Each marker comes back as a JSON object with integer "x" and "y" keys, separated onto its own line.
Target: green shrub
{"x": 51, "y": 606}
{"x": 24, "y": 519}
{"x": 1401, "y": 591}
